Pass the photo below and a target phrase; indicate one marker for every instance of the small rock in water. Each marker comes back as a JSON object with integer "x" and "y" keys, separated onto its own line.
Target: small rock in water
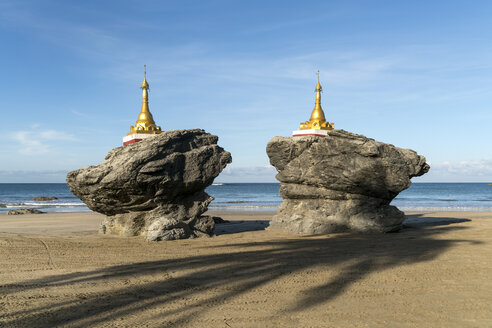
{"x": 43, "y": 198}
{"x": 24, "y": 211}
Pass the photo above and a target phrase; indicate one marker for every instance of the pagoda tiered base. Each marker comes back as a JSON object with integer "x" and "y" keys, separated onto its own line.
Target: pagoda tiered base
{"x": 310, "y": 132}
{"x": 136, "y": 137}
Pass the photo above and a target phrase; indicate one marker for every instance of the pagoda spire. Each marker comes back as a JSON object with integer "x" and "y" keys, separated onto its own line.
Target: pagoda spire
{"x": 145, "y": 122}
{"x": 145, "y": 125}
{"x": 317, "y": 119}
{"x": 317, "y": 125}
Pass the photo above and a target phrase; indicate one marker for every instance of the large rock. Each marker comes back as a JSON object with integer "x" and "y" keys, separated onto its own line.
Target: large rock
{"x": 342, "y": 182}
{"x": 154, "y": 187}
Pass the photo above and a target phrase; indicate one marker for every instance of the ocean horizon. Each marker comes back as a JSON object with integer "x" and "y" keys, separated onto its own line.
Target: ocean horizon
{"x": 421, "y": 196}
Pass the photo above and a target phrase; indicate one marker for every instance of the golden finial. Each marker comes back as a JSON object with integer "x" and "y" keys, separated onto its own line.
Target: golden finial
{"x": 145, "y": 85}
{"x": 318, "y": 86}
{"x": 145, "y": 122}
{"x": 317, "y": 119}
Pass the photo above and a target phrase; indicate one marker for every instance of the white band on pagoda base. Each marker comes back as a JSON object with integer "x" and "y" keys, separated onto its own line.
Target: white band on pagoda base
{"x": 311, "y": 132}
{"x": 136, "y": 137}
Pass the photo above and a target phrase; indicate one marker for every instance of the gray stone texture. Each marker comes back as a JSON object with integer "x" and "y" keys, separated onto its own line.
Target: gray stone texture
{"x": 154, "y": 187}
{"x": 21, "y": 211}
{"x": 44, "y": 198}
{"x": 342, "y": 182}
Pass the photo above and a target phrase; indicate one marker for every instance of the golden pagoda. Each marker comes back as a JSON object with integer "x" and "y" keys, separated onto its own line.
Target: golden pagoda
{"x": 317, "y": 124}
{"x": 145, "y": 126}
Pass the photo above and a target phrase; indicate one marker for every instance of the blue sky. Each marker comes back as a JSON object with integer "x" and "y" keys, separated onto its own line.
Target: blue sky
{"x": 417, "y": 74}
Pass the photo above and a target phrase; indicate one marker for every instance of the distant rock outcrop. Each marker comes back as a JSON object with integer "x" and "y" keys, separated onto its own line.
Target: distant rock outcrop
{"x": 21, "y": 211}
{"x": 342, "y": 182}
{"x": 154, "y": 187}
{"x": 44, "y": 198}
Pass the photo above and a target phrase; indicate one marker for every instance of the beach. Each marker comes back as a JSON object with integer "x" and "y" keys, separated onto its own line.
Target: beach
{"x": 56, "y": 270}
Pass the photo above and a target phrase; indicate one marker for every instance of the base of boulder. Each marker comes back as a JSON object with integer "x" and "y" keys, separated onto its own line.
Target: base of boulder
{"x": 157, "y": 228}
{"x": 321, "y": 216}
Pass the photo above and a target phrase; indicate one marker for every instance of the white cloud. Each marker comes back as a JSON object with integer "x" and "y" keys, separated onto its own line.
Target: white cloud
{"x": 467, "y": 168}
{"x": 463, "y": 171}
{"x": 32, "y": 176}
{"x": 36, "y": 141}
{"x": 55, "y": 135}
{"x": 79, "y": 114}
{"x": 248, "y": 174}
{"x": 29, "y": 144}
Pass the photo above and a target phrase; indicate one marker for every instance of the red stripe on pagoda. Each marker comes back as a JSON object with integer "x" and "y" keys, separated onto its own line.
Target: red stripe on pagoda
{"x": 129, "y": 142}
{"x": 310, "y": 134}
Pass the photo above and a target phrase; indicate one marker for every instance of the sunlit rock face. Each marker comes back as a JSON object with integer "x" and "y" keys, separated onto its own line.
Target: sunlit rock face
{"x": 155, "y": 187}
{"x": 342, "y": 182}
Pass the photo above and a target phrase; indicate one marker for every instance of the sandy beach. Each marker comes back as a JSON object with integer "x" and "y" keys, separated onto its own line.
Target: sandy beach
{"x": 56, "y": 271}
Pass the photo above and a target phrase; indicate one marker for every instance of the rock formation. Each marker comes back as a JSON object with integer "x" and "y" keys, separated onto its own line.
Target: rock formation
{"x": 154, "y": 187}
{"x": 21, "y": 211}
{"x": 44, "y": 198}
{"x": 342, "y": 182}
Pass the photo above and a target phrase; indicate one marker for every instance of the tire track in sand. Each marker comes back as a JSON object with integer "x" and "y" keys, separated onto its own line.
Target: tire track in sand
{"x": 51, "y": 263}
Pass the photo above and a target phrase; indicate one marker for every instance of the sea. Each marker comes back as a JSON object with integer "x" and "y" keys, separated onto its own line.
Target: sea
{"x": 260, "y": 197}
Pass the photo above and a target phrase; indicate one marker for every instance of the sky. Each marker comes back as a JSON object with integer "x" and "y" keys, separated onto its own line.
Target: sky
{"x": 416, "y": 74}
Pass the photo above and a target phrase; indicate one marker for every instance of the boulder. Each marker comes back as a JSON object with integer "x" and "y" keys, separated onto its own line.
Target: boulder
{"x": 342, "y": 182}
{"x": 155, "y": 187}
{"x": 21, "y": 211}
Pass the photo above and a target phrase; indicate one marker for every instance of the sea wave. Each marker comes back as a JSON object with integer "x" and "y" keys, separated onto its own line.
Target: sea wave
{"x": 243, "y": 207}
{"x": 51, "y": 206}
{"x": 236, "y": 202}
{"x": 54, "y": 204}
{"x": 419, "y": 199}
{"x": 445, "y": 208}
{"x": 253, "y": 202}
{"x": 43, "y": 204}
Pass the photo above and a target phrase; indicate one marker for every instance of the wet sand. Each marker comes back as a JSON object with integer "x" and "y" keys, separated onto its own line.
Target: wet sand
{"x": 55, "y": 270}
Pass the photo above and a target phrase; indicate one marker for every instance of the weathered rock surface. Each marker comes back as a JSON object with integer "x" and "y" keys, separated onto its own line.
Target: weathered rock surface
{"x": 342, "y": 182}
{"x": 44, "y": 198}
{"x": 21, "y": 211}
{"x": 154, "y": 187}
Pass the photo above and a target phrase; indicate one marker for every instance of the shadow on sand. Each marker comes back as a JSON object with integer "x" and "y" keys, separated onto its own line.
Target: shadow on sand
{"x": 236, "y": 269}
{"x": 240, "y": 226}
